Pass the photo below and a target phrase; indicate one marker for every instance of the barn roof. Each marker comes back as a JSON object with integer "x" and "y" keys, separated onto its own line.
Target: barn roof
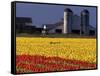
{"x": 23, "y": 20}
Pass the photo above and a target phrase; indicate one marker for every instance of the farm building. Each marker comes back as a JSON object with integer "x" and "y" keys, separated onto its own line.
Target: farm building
{"x": 72, "y": 24}
{"x": 24, "y": 25}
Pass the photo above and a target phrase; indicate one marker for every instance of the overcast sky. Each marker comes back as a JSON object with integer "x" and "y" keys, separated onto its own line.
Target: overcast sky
{"x": 49, "y": 14}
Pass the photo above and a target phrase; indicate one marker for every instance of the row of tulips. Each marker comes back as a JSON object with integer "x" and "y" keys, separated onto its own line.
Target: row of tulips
{"x": 46, "y": 64}
{"x": 54, "y": 54}
{"x": 83, "y": 49}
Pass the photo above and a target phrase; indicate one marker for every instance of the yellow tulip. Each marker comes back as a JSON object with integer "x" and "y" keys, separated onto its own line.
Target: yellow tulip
{"x": 83, "y": 49}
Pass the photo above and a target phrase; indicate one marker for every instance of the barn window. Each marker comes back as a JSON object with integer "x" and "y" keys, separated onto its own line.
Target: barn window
{"x": 91, "y": 32}
{"x": 58, "y": 31}
{"x": 76, "y": 31}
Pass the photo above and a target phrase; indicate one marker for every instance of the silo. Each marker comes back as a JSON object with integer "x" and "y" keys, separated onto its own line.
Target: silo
{"x": 67, "y": 21}
{"x": 84, "y": 22}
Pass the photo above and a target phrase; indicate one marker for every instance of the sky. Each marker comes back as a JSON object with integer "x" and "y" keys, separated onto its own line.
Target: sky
{"x": 50, "y": 14}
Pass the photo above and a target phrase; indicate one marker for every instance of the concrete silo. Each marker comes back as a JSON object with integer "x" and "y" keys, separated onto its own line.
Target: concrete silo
{"x": 68, "y": 14}
{"x": 84, "y": 22}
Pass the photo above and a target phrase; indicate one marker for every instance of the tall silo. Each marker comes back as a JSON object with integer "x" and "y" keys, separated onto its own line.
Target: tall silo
{"x": 68, "y": 14}
{"x": 84, "y": 22}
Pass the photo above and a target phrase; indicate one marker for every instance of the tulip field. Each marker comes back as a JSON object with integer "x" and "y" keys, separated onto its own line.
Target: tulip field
{"x": 40, "y": 54}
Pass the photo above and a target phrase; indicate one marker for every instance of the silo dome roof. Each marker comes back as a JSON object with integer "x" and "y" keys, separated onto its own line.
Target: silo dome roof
{"x": 67, "y": 10}
{"x": 85, "y": 12}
